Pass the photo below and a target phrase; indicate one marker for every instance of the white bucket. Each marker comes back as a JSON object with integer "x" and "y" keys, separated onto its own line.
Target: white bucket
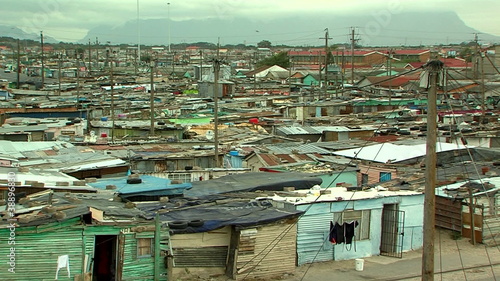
{"x": 360, "y": 264}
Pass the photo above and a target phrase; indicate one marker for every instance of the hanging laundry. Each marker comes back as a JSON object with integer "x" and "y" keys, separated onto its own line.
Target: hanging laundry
{"x": 349, "y": 229}
{"x": 336, "y": 233}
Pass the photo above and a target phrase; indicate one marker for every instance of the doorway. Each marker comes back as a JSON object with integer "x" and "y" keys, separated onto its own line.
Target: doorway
{"x": 391, "y": 242}
{"x": 104, "y": 258}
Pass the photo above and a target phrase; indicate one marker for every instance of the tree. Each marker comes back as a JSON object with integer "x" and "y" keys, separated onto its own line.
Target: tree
{"x": 280, "y": 59}
{"x": 466, "y": 53}
{"x": 264, "y": 44}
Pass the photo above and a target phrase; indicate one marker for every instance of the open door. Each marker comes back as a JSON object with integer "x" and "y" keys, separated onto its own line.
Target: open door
{"x": 105, "y": 257}
{"x": 391, "y": 242}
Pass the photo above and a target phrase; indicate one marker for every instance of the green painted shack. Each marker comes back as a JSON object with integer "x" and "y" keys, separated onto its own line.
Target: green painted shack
{"x": 77, "y": 242}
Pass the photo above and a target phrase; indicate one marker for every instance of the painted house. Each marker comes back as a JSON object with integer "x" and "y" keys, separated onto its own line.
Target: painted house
{"x": 382, "y": 217}
{"x": 311, "y": 80}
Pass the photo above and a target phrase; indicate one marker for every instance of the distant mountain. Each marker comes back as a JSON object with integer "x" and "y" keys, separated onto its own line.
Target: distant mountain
{"x": 14, "y": 32}
{"x": 411, "y": 29}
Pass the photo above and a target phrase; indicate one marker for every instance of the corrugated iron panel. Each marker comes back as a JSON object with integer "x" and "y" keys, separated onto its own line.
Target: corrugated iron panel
{"x": 312, "y": 238}
{"x": 201, "y": 257}
{"x": 137, "y": 268}
{"x": 267, "y": 252}
{"x": 37, "y": 254}
{"x": 448, "y": 213}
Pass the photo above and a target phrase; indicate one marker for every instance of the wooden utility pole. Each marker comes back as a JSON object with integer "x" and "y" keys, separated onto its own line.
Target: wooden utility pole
{"x": 77, "y": 79}
{"x": 475, "y": 58}
{"x": 111, "y": 80}
{"x": 433, "y": 68}
{"x": 43, "y": 62}
{"x": 390, "y": 74}
{"x": 59, "y": 71}
{"x": 152, "y": 99}
{"x": 472, "y": 219}
{"x": 201, "y": 66}
{"x": 216, "y": 106}
{"x": 18, "y": 63}
{"x": 326, "y": 62}
{"x": 90, "y": 58}
{"x": 483, "y": 94}
{"x": 289, "y": 76}
{"x": 353, "y": 42}
{"x": 97, "y": 51}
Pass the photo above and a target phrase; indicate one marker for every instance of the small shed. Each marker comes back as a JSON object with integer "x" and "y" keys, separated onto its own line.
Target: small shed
{"x": 454, "y": 209}
{"x": 241, "y": 239}
{"x": 82, "y": 237}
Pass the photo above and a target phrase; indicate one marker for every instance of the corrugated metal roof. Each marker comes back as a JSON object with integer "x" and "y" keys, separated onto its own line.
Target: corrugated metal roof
{"x": 316, "y": 130}
{"x": 388, "y": 152}
{"x": 289, "y": 148}
{"x": 148, "y": 184}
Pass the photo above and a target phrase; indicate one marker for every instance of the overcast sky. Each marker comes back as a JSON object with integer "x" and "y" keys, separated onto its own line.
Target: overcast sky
{"x": 69, "y": 20}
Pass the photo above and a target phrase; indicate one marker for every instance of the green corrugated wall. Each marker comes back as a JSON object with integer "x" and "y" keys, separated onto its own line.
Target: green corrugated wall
{"x": 37, "y": 250}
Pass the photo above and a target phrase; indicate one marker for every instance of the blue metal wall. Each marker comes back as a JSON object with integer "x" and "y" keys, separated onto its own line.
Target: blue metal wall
{"x": 313, "y": 228}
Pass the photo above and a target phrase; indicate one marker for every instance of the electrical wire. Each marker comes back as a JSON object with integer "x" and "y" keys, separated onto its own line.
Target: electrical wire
{"x": 310, "y": 204}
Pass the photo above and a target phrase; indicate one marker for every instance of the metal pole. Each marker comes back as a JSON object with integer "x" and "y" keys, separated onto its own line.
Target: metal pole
{"x": 430, "y": 174}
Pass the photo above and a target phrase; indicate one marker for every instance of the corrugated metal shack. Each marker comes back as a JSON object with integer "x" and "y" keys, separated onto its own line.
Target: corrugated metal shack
{"x": 97, "y": 238}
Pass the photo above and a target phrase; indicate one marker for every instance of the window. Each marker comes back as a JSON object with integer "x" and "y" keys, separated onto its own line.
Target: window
{"x": 362, "y": 231}
{"x": 182, "y": 177}
{"x": 144, "y": 247}
{"x": 384, "y": 176}
{"x": 364, "y": 179}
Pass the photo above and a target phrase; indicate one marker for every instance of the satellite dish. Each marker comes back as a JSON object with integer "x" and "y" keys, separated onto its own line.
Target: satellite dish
{"x": 209, "y": 135}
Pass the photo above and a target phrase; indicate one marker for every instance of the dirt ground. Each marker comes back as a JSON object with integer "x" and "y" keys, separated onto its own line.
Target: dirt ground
{"x": 455, "y": 259}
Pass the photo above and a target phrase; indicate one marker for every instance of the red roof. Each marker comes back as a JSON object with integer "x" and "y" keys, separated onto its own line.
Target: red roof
{"x": 448, "y": 62}
{"x": 411, "y": 52}
{"x": 384, "y": 81}
{"x": 315, "y": 52}
{"x": 455, "y": 63}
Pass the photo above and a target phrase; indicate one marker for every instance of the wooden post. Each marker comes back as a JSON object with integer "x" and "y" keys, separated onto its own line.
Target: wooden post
{"x": 216, "y": 107}
{"x": 472, "y": 211}
{"x": 152, "y": 100}
{"x": 430, "y": 173}
{"x": 157, "y": 249}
